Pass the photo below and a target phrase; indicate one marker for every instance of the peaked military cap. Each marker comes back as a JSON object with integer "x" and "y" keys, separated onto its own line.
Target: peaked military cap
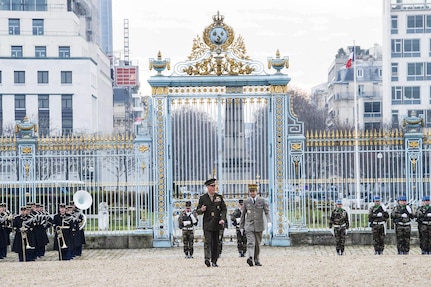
{"x": 188, "y": 203}
{"x": 402, "y": 198}
{"x": 241, "y": 201}
{"x": 252, "y": 186}
{"x": 211, "y": 181}
{"x": 426, "y": 198}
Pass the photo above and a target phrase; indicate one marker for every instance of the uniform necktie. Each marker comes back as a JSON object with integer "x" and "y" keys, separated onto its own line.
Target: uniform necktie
{"x": 254, "y": 201}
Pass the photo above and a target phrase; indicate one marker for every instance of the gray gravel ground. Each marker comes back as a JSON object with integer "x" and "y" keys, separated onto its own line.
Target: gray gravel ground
{"x": 282, "y": 266}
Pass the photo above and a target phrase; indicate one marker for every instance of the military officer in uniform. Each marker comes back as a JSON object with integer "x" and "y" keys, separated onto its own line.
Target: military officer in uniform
{"x": 241, "y": 239}
{"x": 339, "y": 224}
{"x": 423, "y": 217}
{"x": 5, "y": 229}
{"x": 213, "y": 208}
{"x": 402, "y": 216}
{"x": 186, "y": 221}
{"x": 254, "y": 212}
{"x": 377, "y": 216}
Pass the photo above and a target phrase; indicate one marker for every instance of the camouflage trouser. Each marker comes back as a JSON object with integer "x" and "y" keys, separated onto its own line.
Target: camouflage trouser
{"x": 403, "y": 233}
{"x": 241, "y": 241}
{"x": 340, "y": 238}
{"x": 425, "y": 237}
{"x": 188, "y": 237}
{"x": 220, "y": 241}
{"x": 379, "y": 237}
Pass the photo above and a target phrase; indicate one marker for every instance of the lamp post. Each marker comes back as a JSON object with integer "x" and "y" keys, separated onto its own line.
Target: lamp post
{"x": 379, "y": 157}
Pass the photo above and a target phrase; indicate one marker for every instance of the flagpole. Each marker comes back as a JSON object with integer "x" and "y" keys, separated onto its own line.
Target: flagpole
{"x": 356, "y": 112}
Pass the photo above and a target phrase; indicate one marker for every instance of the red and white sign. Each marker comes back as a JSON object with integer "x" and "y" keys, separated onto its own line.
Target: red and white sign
{"x": 126, "y": 76}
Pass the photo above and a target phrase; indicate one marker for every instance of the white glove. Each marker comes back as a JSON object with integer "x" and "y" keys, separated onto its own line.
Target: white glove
{"x": 379, "y": 214}
{"x": 242, "y": 231}
{"x": 404, "y": 215}
{"x": 185, "y": 223}
{"x": 332, "y": 231}
{"x": 269, "y": 226}
{"x": 345, "y": 232}
{"x": 429, "y": 214}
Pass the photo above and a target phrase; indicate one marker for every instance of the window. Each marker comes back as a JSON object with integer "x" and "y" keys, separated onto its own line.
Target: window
{"x": 66, "y": 114}
{"x": 395, "y": 120}
{"x": 43, "y": 102}
{"x": 64, "y": 52}
{"x": 37, "y": 26}
{"x": 360, "y": 90}
{"x": 66, "y": 77}
{"x": 14, "y": 27}
{"x": 412, "y": 48}
{"x": 394, "y": 24}
{"x": 415, "y": 24}
{"x": 42, "y": 77}
{"x": 20, "y": 111}
{"x": 412, "y": 95}
{"x": 0, "y": 77}
{"x": 405, "y": 48}
{"x": 16, "y": 52}
{"x": 360, "y": 73}
{"x": 40, "y": 51}
{"x": 415, "y": 71}
{"x": 372, "y": 110}
{"x": 396, "y": 48}
{"x": 19, "y": 77}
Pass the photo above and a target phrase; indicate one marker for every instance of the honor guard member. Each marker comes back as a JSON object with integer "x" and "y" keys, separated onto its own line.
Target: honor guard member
{"x": 339, "y": 224}
{"x": 186, "y": 222}
{"x": 213, "y": 208}
{"x": 241, "y": 239}
{"x": 402, "y": 216}
{"x": 40, "y": 231}
{"x": 6, "y": 219}
{"x": 423, "y": 217}
{"x": 377, "y": 216}
{"x": 21, "y": 243}
{"x": 254, "y": 212}
{"x": 61, "y": 224}
{"x": 80, "y": 236}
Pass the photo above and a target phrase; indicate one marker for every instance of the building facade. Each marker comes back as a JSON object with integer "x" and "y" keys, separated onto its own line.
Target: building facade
{"x": 339, "y": 92}
{"x": 53, "y": 69}
{"x": 407, "y": 68}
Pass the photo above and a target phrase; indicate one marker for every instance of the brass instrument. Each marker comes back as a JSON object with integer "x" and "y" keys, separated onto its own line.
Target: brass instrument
{"x": 60, "y": 236}
{"x": 83, "y": 201}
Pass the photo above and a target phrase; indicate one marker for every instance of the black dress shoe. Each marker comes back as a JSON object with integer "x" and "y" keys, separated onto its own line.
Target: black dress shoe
{"x": 250, "y": 261}
{"x": 215, "y": 264}
{"x": 258, "y": 264}
{"x": 207, "y": 263}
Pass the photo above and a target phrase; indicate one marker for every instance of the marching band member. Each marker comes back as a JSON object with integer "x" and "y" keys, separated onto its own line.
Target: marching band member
{"x": 5, "y": 228}
{"x": 22, "y": 225}
{"x": 61, "y": 223}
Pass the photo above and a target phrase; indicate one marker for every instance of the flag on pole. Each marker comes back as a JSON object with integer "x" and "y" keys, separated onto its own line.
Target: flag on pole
{"x": 351, "y": 59}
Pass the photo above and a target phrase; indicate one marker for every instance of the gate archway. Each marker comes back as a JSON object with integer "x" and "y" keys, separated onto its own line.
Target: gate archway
{"x": 220, "y": 114}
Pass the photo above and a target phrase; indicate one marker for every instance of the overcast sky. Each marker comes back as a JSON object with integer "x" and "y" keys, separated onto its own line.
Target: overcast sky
{"x": 309, "y": 32}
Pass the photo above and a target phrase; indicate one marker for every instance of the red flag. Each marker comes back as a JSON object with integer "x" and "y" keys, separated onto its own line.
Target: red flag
{"x": 351, "y": 59}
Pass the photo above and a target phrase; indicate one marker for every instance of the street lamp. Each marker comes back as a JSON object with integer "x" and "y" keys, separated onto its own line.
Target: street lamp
{"x": 379, "y": 157}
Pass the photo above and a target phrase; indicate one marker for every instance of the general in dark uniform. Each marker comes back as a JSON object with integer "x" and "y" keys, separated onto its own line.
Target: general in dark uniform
{"x": 213, "y": 208}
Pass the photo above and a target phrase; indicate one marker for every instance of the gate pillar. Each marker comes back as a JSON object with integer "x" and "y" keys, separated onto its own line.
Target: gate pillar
{"x": 413, "y": 140}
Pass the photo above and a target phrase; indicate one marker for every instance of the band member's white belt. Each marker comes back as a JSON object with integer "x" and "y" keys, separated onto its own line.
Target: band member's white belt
{"x": 406, "y": 223}
{"x": 342, "y": 225}
{"x": 379, "y": 222}
{"x": 426, "y": 222}
{"x": 188, "y": 228}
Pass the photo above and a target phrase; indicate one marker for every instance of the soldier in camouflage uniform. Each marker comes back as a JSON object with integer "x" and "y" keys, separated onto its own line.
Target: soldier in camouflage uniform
{"x": 339, "y": 221}
{"x": 241, "y": 239}
{"x": 402, "y": 216}
{"x": 377, "y": 216}
{"x": 423, "y": 217}
{"x": 186, "y": 221}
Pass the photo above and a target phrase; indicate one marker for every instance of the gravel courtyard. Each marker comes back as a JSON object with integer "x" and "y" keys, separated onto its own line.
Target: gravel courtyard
{"x": 282, "y": 266}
